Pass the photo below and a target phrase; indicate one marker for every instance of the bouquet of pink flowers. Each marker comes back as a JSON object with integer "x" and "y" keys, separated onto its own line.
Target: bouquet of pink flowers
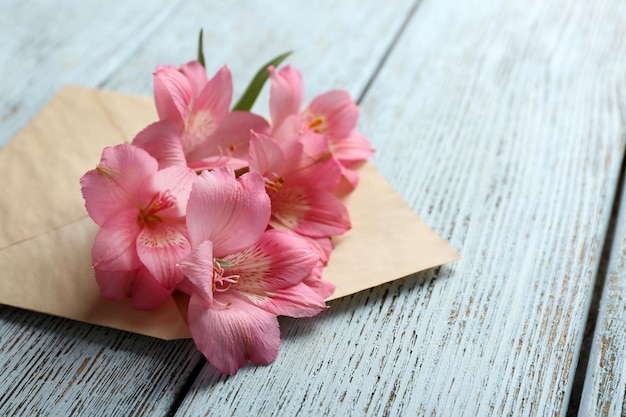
{"x": 227, "y": 207}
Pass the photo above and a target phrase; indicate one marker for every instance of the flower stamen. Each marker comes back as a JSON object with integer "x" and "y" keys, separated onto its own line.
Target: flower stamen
{"x": 161, "y": 201}
{"x": 316, "y": 124}
{"x": 221, "y": 281}
{"x": 274, "y": 184}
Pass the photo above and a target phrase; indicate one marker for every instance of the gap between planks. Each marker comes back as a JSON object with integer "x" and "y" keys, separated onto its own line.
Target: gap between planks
{"x": 594, "y": 307}
{"x": 180, "y": 396}
{"x": 383, "y": 59}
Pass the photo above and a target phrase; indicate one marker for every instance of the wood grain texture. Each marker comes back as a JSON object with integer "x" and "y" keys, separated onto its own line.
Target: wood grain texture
{"x": 51, "y": 366}
{"x": 501, "y": 124}
{"x": 604, "y": 392}
{"x": 45, "y": 44}
{"x": 336, "y": 44}
{"x": 58, "y": 367}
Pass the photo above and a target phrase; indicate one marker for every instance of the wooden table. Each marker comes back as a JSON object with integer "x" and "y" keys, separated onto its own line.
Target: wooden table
{"x": 501, "y": 123}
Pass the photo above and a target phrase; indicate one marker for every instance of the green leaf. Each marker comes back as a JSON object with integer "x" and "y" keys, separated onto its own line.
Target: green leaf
{"x": 201, "y": 50}
{"x": 248, "y": 98}
{"x": 239, "y": 172}
{"x": 224, "y": 263}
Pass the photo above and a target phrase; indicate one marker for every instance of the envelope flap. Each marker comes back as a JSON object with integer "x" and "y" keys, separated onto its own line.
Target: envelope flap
{"x": 62, "y": 142}
{"x": 387, "y": 240}
{"x": 46, "y": 236}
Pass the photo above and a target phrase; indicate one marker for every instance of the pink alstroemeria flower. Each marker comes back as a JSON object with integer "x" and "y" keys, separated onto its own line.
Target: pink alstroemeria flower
{"x": 196, "y": 128}
{"x": 145, "y": 292}
{"x": 299, "y": 175}
{"x": 242, "y": 276}
{"x": 333, "y": 114}
{"x": 141, "y": 214}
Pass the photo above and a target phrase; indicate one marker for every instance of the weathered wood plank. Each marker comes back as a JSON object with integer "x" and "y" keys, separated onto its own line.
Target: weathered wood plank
{"x": 336, "y": 44}
{"x": 500, "y": 123}
{"x": 604, "y": 392}
{"x": 47, "y": 44}
{"x": 51, "y": 366}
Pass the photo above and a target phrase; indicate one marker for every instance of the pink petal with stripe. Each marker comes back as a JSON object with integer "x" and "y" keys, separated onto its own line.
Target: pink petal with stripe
{"x": 113, "y": 185}
{"x": 231, "y": 331}
{"x": 232, "y": 213}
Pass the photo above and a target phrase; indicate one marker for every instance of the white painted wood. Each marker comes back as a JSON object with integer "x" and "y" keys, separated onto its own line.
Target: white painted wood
{"x": 57, "y": 367}
{"x": 336, "y": 44}
{"x": 52, "y": 366}
{"x": 501, "y": 124}
{"x": 605, "y": 384}
{"x": 45, "y": 44}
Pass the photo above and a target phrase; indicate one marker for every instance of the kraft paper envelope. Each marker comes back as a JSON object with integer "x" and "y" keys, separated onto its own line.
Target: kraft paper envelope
{"x": 46, "y": 236}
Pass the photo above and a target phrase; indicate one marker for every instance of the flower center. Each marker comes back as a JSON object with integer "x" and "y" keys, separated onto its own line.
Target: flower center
{"x": 273, "y": 181}
{"x": 223, "y": 155}
{"x": 221, "y": 280}
{"x": 148, "y": 216}
{"x": 199, "y": 126}
{"x": 318, "y": 124}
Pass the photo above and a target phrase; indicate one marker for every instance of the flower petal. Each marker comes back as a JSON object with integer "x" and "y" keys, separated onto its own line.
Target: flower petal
{"x": 283, "y": 276}
{"x": 172, "y": 94}
{"x": 146, "y": 292}
{"x": 349, "y": 180}
{"x": 162, "y": 141}
{"x": 114, "y": 284}
{"x": 323, "y": 246}
{"x": 353, "y": 148}
{"x": 196, "y": 75}
{"x": 265, "y": 154}
{"x": 289, "y": 128}
{"x": 278, "y": 260}
{"x": 228, "y": 336}
{"x": 228, "y": 145}
{"x": 113, "y": 185}
{"x": 332, "y": 113}
{"x": 286, "y": 94}
{"x": 208, "y": 111}
{"x": 198, "y": 269}
{"x": 114, "y": 246}
{"x": 161, "y": 247}
{"x": 298, "y": 301}
{"x": 315, "y": 165}
{"x": 321, "y": 287}
{"x": 172, "y": 184}
{"x": 310, "y": 212}
{"x": 229, "y": 212}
